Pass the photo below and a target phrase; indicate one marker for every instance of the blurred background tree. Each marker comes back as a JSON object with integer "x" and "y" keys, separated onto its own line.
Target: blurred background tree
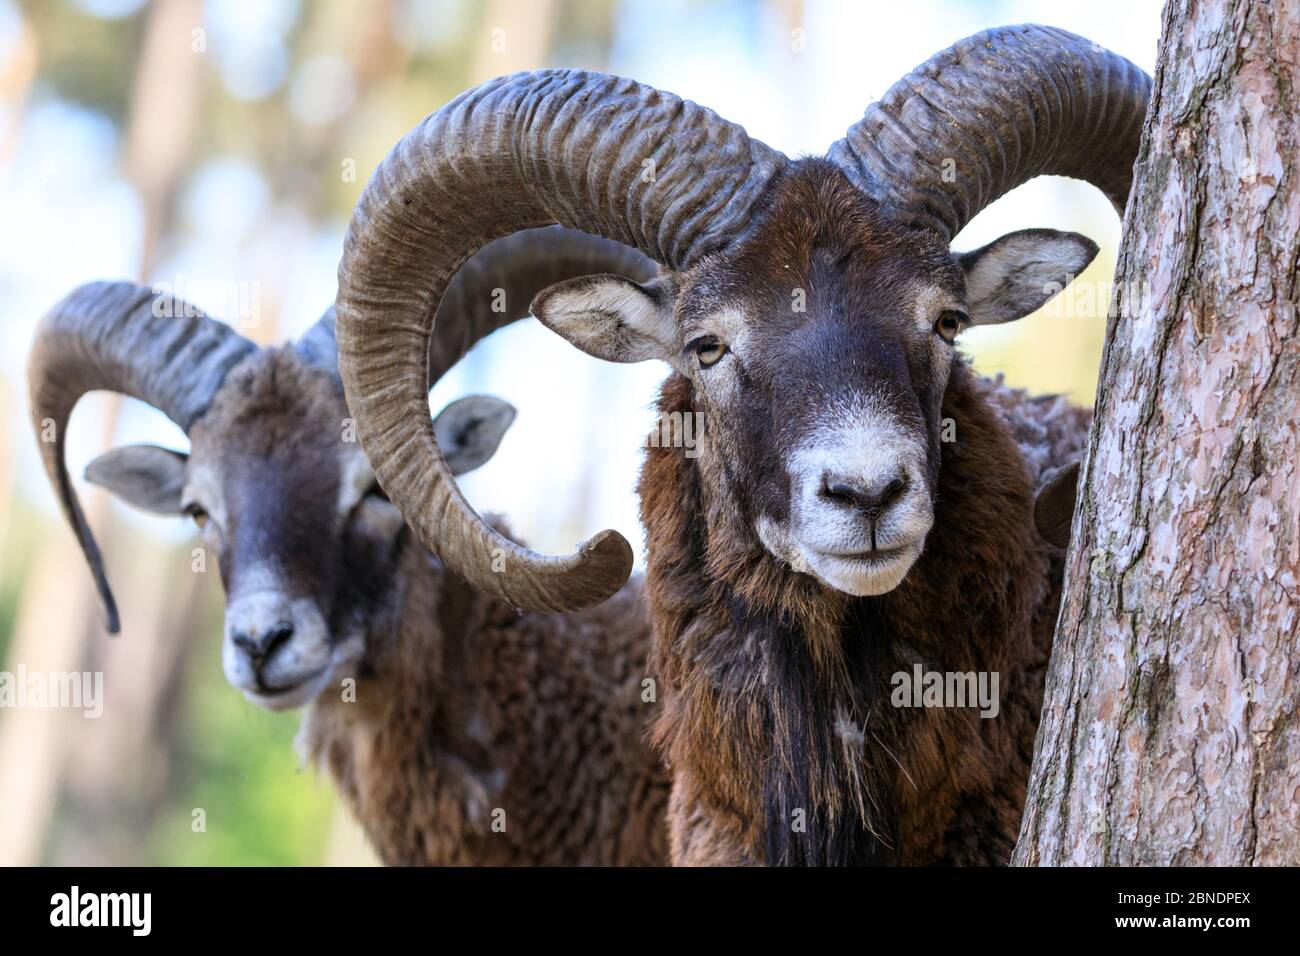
{"x": 217, "y": 147}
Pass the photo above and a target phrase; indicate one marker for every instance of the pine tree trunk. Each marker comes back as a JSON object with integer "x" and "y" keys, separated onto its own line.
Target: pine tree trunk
{"x": 1169, "y": 731}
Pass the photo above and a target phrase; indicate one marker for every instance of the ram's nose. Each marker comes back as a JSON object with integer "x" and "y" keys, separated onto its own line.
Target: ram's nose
{"x": 872, "y": 498}
{"x": 259, "y": 642}
{"x": 258, "y": 623}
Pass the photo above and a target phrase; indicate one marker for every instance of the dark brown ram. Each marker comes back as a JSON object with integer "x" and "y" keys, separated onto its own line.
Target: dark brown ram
{"x": 459, "y": 730}
{"x": 862, "y": 502}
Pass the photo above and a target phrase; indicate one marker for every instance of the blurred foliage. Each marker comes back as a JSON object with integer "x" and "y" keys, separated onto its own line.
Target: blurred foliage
{"x": 84, "y": 58}
{"x": 237, "y": 763}
{"x": 20, "y": 541}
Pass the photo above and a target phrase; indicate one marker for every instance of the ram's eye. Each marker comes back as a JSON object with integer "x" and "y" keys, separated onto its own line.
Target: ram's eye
{"x": 708, "y": 350}
{"x": 950, "y": 323}
{"x": 196, "y": 514}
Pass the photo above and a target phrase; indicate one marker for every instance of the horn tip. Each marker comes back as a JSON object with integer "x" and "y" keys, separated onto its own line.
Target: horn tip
{"x": 112, "y": 620}
{"x": 1054, "y": 506}
{"x": 612, "y": 549}
{"x": 610, "y": 555}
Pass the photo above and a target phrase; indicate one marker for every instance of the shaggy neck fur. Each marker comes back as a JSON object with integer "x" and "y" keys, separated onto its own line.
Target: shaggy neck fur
{"x": 777, "y": 721}
{"x": 483, "y": 736}
{"x": 408, "y": 750}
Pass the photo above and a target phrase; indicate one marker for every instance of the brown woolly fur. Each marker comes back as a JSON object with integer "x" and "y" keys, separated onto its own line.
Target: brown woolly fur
{"x": 829, "y": 534}
{"x": 474, "y": 733}
{"x": 484, "y": 736}
{"x": 759, "y": 731}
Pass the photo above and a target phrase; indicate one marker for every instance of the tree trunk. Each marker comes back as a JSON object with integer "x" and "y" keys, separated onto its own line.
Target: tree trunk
{"x": 1169, "y": 731}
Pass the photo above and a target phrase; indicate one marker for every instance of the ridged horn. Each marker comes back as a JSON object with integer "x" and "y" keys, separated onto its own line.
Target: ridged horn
{"x": 596, "y": 153}
{"x": 121, "y": 337}
{"x": 991, "y": 112}
{"x": 493, "y": 289}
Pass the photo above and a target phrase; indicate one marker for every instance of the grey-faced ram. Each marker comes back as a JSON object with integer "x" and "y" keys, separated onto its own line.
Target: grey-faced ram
{"x": 825, "y": 536}
{"x": 474, "y": 734}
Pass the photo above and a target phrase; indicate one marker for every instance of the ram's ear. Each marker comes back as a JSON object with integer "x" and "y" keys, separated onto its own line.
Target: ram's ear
{"x": 146, "y": 476}
{"x": 470, "y": 429}
{"x": 1014, "y": 275}
{"x": 1054, "y": 506}
{"x": 611, "y": 317}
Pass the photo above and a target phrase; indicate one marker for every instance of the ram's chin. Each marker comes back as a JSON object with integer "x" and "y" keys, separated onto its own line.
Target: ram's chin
{"x": 863, "y": 575}
{"x": 288, "y": 698}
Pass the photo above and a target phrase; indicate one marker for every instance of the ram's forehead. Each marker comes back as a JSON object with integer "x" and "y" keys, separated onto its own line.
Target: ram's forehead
{"x": 820, "y": 234}
{"x": 275, "y": 404}
{"x": 912, "y": 300}
{"x": 729, "y": 321}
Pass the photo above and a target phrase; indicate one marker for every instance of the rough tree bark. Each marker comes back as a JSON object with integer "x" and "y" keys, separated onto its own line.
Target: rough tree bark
{"x": 1169, "y": 731}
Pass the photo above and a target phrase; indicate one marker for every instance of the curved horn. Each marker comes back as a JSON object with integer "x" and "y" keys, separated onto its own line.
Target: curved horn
{"x": 597, "y": 153}
{"x": 991, "y": 112}
{"x": 124, "y": 338}
{"x": 494, "y": 288}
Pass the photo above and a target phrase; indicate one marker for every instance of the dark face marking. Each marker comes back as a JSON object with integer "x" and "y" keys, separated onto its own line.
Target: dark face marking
{"x": 827, "y": 311}
{"x": 818, "y": 350}
{"x": 281, "y": 507}
{"x": 306, "y": 554}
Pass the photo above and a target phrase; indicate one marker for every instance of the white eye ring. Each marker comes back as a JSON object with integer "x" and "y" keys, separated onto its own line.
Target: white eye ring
{"x": 708, "y": 350}
{"x": 950, "y": 323}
